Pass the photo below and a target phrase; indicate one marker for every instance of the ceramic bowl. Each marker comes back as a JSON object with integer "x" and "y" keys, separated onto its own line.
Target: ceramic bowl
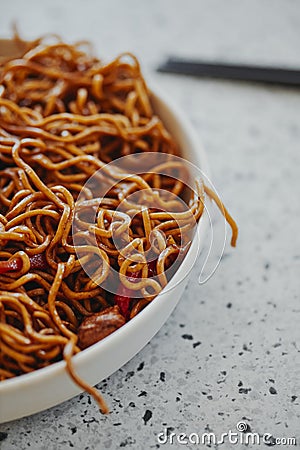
{"x": 47, "y": 387}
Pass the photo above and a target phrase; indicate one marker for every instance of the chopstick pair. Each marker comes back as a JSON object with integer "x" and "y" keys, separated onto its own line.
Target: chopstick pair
{"x": 253, "y": 73}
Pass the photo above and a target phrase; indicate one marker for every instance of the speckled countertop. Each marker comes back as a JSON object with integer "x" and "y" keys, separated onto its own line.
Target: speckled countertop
{"x": 231, "y": 349}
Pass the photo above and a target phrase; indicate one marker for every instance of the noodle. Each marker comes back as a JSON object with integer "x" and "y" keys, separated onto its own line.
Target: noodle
{"x": 64, "y": 115}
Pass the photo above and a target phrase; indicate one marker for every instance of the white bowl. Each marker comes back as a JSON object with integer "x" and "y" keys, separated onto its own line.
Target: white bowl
{"x": 47, "y": 387}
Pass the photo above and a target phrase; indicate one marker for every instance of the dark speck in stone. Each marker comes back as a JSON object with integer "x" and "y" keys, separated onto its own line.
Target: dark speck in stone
{"x": 147, "y": 416}
{"x": 277, "y": 344}
{"x": 91, "y": 420}
{"x": 272, "y": 390}
{"x": 223, "y": 372}
{"x": 74, "y": 430}
{"x": 162, "y": 376}
{"x": 3, "y": 435}
{"x": 240, "y": 353}
{"x": 195, "y": 344}
{"x": 207, "y": 428}
{"x": 270, "y": 442}
{"x": 117, "y": 424}
{"x": 128, "y": 441}
{"x": 293, "y": 398}
{"x": 209, "y": 397}
{"x": 132, "y": 404}
{"x": 240, "y": 383}
{"x": 267, "y": 265}
{"x": 182, "y": 325}
{"x": 129, "y": 375}
{"x": 246, "y": 348}
{"x": 271, "y": 379}
{"x": 244, "y": 390}
{"x": 169, "y": 430}
{"x": 229, "y": 305}
{"x": 247, "y": 429}
{"x": 189, "y": 337}
{"x": 142, "y": 394}
{"x": 141, "y": 366}
{"x": 178, "y": 399}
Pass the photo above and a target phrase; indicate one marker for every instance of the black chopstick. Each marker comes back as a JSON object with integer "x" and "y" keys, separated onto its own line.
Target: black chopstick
{"x": 273, "y": 75}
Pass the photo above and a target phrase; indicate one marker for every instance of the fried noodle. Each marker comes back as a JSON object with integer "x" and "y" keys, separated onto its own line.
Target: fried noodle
{"x": 64, "y": 115}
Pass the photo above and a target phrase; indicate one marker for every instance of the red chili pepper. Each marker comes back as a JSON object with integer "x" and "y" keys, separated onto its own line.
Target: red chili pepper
{"x": 124, "y": 295}
{"x": 15, "y": 264}
{"x": 123, "y": 301}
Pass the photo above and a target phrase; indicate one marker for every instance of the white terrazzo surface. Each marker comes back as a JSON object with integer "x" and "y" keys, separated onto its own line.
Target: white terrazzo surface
{"x": 231, "y": 340}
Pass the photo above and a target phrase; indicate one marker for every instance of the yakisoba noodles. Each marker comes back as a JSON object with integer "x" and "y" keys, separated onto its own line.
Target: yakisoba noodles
{"x": 63, "y": 116}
